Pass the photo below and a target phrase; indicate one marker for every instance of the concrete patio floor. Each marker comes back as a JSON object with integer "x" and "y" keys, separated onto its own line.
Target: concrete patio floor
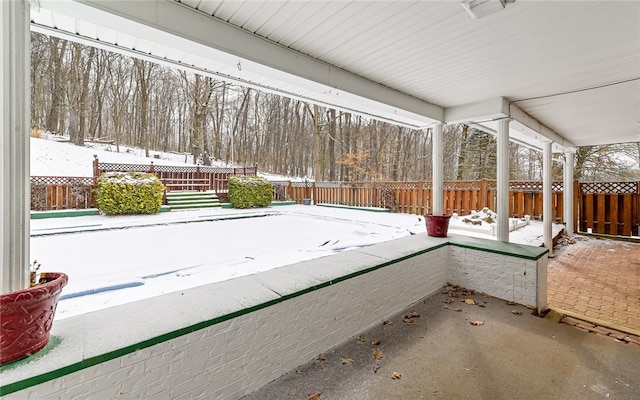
{"x": 597, "y": 280}
{"x": 441, "y": 355}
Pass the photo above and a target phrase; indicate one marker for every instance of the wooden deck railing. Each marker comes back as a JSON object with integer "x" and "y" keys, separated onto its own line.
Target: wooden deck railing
{"x": 180, "y": 178}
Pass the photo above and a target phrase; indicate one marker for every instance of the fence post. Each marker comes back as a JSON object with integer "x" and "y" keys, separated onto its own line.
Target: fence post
{"x": 420, "y": 199}
{"x": 152, "y": 169}
{"x": 289, "y": 194}
{"x": 96, "y": 169}
{"x": 484, "y": 194}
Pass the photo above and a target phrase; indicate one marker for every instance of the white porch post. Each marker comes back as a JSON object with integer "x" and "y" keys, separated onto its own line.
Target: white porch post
{"x": 547, "y": 218}
{"x": 568, "y": 192}
{"x": 502, "y": 190}
{"x": 438, "y": 170}
{"x": 14, "y": 145}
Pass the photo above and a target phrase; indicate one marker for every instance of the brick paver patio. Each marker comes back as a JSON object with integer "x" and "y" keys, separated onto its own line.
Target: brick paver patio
{"x": 598, "y": 279}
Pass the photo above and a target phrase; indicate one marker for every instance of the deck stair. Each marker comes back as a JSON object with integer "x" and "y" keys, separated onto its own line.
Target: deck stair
{"x": 179, "y": 200}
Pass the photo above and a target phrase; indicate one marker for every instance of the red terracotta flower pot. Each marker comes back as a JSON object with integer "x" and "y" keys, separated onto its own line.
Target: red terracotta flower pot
{"x": 437, "y": 225}
{"x": 26, "y": 317}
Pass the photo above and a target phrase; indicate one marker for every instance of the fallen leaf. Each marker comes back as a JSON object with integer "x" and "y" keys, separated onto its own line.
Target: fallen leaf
{"x": 470, "y": 301}
{"x": 346, "y": 361}
{"x": 412, "y": 314}
{"x": 387, "y": 322}
{"x": 436, "y": 392}
{"x": 396, "y": 375}
{"x": 375, "y": 342}
{"x": 376, "y": 368}
{"x": 458, "y": 309}
{"x": 530, "y": 307}
{"x": 511, "y": 303}
{"x": 476, "y": 323}
{"x": 293, "y": 394}
{"x": 314, "y": 396}
{"x": 484, "y": 294}
{"x": 409, "y": 321}
{"x": 377, "y": 354}
{"x": 516, "y": 312}
{"x": 320, "y": 361}
{"x": 361, "y": 339}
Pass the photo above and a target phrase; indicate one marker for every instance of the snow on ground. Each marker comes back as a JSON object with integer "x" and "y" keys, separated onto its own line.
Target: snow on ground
{"x": 50, "y": 156}
{"x": 53, "y": 155}
{"x": 113, "y": 260}
{"x": 149, "y": 261}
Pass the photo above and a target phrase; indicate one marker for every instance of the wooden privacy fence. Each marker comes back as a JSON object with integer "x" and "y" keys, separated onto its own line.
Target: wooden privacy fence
{"x": 61, "y": 193}
{"x": 600, "y": 207}
{"x": 608, "y": 208}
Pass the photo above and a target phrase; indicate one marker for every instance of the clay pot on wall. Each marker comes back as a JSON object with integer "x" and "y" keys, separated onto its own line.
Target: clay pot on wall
{"x": 26, "y": 317}
{"x": 437, "y": 225}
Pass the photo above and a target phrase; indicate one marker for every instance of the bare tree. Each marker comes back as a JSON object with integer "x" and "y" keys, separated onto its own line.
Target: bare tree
{"x": 145, "y": 81}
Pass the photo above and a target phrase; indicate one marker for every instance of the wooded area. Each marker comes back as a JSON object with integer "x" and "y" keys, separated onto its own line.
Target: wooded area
{"x": 94, "y": 94}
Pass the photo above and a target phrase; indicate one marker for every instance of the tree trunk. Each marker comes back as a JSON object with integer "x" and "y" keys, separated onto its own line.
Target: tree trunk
{"x": 57, "y": 49}
{"x": 462, "y": 166}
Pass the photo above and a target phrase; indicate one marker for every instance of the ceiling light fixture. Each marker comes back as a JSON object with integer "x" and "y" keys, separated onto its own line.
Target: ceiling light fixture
{"x": 481, "y": 8}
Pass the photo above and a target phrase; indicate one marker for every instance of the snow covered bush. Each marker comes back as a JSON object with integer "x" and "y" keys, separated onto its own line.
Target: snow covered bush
{"x": 129, "y": 193}
{"x": 249, "y": 191}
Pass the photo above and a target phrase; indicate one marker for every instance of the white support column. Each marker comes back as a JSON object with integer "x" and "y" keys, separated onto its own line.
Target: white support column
{"x": 438, "y": 170}
{"x": 14, "y": 144}
{"x": 568, "y": 192}
{"x": 547, "y": 217}
{"x": 502, "y": 190}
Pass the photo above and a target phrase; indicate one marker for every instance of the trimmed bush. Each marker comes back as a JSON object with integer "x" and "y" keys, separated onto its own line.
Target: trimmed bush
{"x": 249, "y": 191}
{"x": 129, "y": 193}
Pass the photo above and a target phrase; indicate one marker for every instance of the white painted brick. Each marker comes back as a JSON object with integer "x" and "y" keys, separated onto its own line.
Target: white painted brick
{"x": 238, "y": 356}
{"x": 158, "y": 390}
{"x": 145, "y": 379}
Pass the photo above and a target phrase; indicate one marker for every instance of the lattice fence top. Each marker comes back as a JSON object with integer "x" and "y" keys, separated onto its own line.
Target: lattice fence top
{"x": 533, "y": 186}
{"x": 400, "y": 185}
{"x": 62, "y": 180}
{"x": 175, "y": 168}
{"x": 461, "y": 185}
{"x": 302, "y": 184}
{"x": 360, "y": 185}
{"x": 609, "y": 187}
{"x": 327, "y": 184}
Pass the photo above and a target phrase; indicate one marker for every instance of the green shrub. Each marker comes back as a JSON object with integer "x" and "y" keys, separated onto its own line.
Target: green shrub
{"x": 129, "y": 193}
{"x": 249, "y": 191}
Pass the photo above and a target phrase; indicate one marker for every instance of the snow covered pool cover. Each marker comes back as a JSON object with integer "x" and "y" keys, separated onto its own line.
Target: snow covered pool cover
{"x": 116, "y": 260}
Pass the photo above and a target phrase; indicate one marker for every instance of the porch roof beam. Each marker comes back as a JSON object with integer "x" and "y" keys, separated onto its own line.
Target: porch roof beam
{"x": 234, "y": 54}
{"x": 523, "y": 127}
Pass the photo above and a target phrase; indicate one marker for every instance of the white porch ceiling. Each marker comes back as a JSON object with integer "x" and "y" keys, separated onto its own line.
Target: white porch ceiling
{"x": 573, "y": 67}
